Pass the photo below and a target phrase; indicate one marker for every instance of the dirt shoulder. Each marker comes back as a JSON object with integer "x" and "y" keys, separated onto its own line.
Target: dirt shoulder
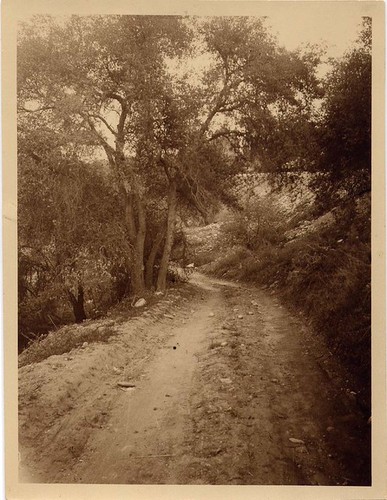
{"x": 228, "y": 388}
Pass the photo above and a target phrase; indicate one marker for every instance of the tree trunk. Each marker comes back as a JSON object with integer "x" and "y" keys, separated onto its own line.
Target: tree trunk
{"x": 150, "y": 262}
{"x": 137, "y": 273}
{"x": 170, "y": 233}
{"x": 137, "y": 240}
{"x": 131, "y": 198}
{"x": 77, "y": 304}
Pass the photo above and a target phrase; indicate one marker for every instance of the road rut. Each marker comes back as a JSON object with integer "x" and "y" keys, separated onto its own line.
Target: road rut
{"x": 229, "y": 388}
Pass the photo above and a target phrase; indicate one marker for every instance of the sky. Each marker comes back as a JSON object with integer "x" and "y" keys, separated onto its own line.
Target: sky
{"x": 338, "y": 30}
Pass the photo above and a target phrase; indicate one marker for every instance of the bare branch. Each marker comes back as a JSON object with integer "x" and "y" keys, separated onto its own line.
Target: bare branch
{"x": 102, "y": 119}
{"x": 43, "y": 108}
{"x": 101, "y": 140}
{"x": 226, "y": 133}
{"x": 117, "y": 97}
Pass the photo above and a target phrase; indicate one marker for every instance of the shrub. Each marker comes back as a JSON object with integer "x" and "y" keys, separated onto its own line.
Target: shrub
{"x": 324, "y": 272}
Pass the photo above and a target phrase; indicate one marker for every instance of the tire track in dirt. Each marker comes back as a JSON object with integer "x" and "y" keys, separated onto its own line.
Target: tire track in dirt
{"x": 143, "y": 442}
{"x": 263, "y": 389}
{"x": 222, "y": 385}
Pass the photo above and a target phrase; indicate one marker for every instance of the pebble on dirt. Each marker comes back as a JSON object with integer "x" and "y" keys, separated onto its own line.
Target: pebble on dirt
{"x": 125, "y": 384}
{"x": 211, "y": 315}
{"x": 240, "y": 316}
{"x": 296, "y": 441}
{"x": 140, "y": 303}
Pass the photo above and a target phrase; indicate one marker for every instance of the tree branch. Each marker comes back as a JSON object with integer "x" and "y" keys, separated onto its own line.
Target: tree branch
{"x": 102, "y": 119}
{"x": 220, "y": 105}
{"x": 102, "y": 141}
{"x": 43, "y": 108}
{"x": 117, "y": 97}
{"x": 226, "y": 133}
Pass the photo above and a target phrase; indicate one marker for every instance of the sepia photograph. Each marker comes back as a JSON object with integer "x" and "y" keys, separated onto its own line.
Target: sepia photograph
{"x": 194, "y": 247}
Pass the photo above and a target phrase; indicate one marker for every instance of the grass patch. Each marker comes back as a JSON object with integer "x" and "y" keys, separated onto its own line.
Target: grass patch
{"x": 64, "y": 340}
{"x": 324, "y": 273}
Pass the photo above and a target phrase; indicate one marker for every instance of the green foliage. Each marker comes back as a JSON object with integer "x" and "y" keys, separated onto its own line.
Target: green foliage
{"x": 344, "y": 135}
{"x": 323, "y": 271}
{"x": 68, "y": 235}
{"x": 63, "y": 341}
{"x": 259, "y": 224}
{"x": 116, "y": 85}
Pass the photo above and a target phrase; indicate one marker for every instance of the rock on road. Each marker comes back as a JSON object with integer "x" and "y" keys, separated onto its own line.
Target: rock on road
{"x": 223, "y": 387}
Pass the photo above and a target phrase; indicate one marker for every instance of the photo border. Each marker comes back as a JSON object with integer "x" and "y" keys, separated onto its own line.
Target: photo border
{"x": 18, "y": 9}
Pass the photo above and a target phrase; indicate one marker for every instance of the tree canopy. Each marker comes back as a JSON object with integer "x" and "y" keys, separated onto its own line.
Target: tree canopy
{"x": 130, "y": 121}
{"x": 343, "y": 158}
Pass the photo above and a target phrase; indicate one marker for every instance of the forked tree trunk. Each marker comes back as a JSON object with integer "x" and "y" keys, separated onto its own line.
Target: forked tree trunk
{"x": 150, "y": 262}
{"x": 77, "y": 303}
{"x": 170, "y": 233}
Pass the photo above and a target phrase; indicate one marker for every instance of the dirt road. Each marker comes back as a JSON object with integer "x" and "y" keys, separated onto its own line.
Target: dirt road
{"x": 228, "y": 387}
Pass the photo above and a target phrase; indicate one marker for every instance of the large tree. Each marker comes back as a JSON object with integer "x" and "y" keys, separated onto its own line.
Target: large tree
{"x": 93, "y": 80}
{"x": 342, "y": 158}
{"x": 125, "y": 86}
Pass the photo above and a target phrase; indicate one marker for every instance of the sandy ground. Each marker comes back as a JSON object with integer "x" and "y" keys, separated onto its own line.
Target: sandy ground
{"x": 227, "y": 387}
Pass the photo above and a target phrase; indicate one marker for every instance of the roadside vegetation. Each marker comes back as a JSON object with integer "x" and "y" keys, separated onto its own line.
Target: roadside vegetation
{"x": 312, "y": 242}
{"x": 253, "y": 167}
{"x": 119, "y": 144}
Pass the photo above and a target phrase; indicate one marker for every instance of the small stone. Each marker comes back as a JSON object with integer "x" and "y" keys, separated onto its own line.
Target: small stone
{"x": 211, "y": 315}
{"x": 85, "y": 344}
{"x": 330, "y": 429}
{"x": 169, "y": 316}
{"x": 226, "y": 380}
{"x": 158, "y": 293}
{"x": 274, "y": 380}
{"x": 296, "y": 441}
{"x": 240, "y": 316}
{"x": 250, "y": 312}
{"x": 140, "y": 303}
{"x": 235, "y": 309}
{"x": 126, "y": 385}
{"x": 223, "y": 344}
